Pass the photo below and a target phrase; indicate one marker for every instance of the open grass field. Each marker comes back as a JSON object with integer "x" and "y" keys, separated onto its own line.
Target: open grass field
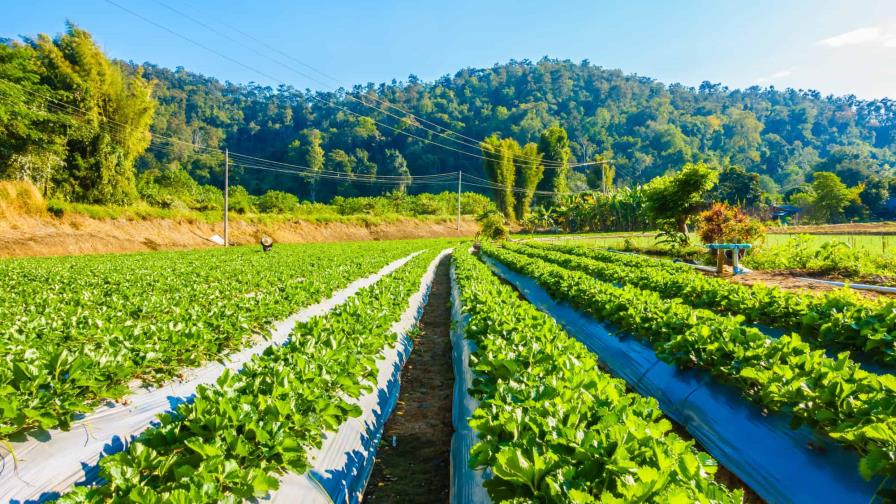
{"x": 860, "y": 257}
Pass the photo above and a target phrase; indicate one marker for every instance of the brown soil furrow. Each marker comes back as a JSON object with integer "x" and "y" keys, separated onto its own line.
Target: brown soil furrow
{"x": 413, "y": 459}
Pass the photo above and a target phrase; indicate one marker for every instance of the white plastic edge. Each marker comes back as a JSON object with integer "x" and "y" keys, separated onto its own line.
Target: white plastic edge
{"x": 466, "y": 484}
{"x": 56, "y": 460}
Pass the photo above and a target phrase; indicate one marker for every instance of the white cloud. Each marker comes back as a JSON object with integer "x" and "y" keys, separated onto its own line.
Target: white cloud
{"x": 869, "y": 35}
{"x": 775, "y": 76}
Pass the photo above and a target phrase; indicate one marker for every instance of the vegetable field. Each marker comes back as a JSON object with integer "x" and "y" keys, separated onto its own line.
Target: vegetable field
{"x": 592, "y": 377}
{"x": 78, "y": 330}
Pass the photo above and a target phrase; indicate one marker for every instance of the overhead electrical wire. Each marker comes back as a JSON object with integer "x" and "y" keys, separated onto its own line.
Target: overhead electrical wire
{"x": 112, "y": 123}
{"x": 348, "y": 93}
{"x": 547, "y": 163}
{"x": 299, "y": 170}
{"x": 331, "y": 78}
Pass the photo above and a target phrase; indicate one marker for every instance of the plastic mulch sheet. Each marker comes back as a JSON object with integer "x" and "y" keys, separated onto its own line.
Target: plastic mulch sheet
{"x": 47, "y": 463}
{"x": 762, "y": 450}
{"x": 341, "y": 467}
{"x": 466, "y": 483}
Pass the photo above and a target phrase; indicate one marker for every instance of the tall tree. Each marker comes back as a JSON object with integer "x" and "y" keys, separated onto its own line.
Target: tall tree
{"x": 875, "y": 196}
{"x": 501, "y": 171}
{"x": 554, "y": 148}
{"x": 607, "y": 173}
{"x": 529, "y": 171}
{"x": 339, "y": 161}
{"x": 311, "y": 154}
{"x": 397, "y": 166}
{"x": 32, "y": 138}
{"x": 831, "y": 197}
{"x": 74, "y": 122}
{"x": 112, "y": 127}
{"x": 365, "y": 170}
{"x": 737, "y": 187}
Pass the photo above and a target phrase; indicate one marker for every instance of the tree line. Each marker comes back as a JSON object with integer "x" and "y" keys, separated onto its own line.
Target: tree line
{"x": 89, "y": 142}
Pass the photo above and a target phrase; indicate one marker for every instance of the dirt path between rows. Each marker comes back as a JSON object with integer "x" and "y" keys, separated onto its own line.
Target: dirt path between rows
{"x": 416, "y": 467}
{"x": 797, "y": 281}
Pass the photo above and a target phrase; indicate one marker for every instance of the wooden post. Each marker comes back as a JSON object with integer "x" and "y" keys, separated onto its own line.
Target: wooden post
{"x": 226, "y": 196}
{"x": 720, "y": 261}
{"x": 459, "y": 175}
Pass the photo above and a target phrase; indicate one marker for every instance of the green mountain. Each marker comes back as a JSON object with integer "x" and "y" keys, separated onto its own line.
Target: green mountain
{"x": 646, "y": 127}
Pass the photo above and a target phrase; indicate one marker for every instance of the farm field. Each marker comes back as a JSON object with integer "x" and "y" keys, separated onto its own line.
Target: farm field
{"x": 556, "y": 416}
{"x": 78, "y": 330}
{"x": 870, "y": 242}
{"x": 245, "y": 261}
{"x": 733, "y": 351}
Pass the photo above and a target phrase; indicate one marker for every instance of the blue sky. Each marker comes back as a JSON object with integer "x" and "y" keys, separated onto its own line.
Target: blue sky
{"x": 835, "y": 47}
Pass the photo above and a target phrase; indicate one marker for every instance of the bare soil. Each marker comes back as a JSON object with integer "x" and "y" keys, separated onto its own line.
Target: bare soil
{"x": 795, "y": 280}
{"x": 872, "y": 228}
{"x": 25, "y": 235}
{"x": 416, "y": 467}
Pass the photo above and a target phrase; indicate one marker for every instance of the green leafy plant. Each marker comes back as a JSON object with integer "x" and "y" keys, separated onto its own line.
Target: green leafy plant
{"x": 237, "y": 436}
{"x": 832, "y": 395}
{"x": 76, "y": 330}
{"x": 492, "y": 226}
{"x": 722, "y": 223}
{"x": 840, "y": 320}
{"x": 553, "y": 427}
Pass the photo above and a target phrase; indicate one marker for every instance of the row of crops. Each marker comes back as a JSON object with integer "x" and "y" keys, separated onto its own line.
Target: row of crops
{"x": 840, "y": 321}
{"x": 555, "y": 421}
{"x": 79, "y": 330}
{"x": 552, "y": 426}
{"x": 794, "y": 374}
{"x": 236, "y": 437}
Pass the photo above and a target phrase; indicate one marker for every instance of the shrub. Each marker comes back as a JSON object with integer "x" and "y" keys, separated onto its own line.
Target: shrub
{"x": 209, "y": 198}
{"x": 56, "y": 208}
{"x": 492, "y": 226}
{"x": 723, "y": 223}
{"x": 240, "y": 201}
{"x": 277, "y": 202}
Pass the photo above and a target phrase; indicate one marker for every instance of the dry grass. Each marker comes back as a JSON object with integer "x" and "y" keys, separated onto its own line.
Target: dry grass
{"x": 20, "y": 198}
{"x": 27, "y": 228}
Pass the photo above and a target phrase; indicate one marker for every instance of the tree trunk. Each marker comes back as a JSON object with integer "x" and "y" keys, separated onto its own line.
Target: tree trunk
{"x": 683, "y": 225}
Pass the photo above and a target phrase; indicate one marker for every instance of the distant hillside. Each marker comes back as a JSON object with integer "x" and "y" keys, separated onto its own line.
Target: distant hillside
{"x": 77, "y": 125}
{"x": 647, "y": 127}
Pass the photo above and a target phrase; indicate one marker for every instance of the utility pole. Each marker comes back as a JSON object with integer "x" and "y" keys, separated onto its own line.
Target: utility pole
{"x": 226, "y": 196}
{"x": 459, "y": 173}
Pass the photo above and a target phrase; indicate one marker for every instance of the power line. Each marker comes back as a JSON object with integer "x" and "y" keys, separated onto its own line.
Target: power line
{"x": 548, "y": 163}
{"x": 475, "y": 143}
{"x": 304, "y": 171}
{"x": 113, "y": 123}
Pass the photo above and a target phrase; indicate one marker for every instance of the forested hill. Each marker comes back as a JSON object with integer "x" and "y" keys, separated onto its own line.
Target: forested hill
{"x": 647, "y": 127}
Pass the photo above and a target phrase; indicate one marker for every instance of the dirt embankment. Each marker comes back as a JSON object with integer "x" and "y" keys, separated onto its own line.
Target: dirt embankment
{"x": 77, "y": 234}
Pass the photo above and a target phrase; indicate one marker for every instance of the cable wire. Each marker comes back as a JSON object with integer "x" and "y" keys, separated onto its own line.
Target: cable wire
{"x": 547, "y": 163}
